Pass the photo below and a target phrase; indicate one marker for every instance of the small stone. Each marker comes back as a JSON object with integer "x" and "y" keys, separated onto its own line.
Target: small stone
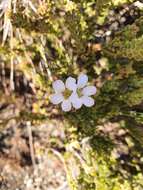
{"x": 111, "y": 12}
{"x": 108, "y": 33}
{"x": 122, "y": 12}
{"x": 114, "y": 26}
{"x": 111, "y": 19}
{"x": 121, "y": 132}
{"x": 29, "y": 183}
{"x": 101, "y": 32}
{"x": 126, "y": 9}
{"x": 138, "y": 4}
{"x": 123, "y": 19}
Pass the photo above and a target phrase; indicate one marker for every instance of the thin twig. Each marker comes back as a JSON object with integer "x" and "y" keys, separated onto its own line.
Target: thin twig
{"x": 68, "y": 173}
{"x": 12, "y": 86}
{"x": 3, "y": 74}
{"x": 31, "y": 144}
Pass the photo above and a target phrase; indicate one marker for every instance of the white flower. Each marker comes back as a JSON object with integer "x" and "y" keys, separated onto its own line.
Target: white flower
{"x": 72, "y": 93}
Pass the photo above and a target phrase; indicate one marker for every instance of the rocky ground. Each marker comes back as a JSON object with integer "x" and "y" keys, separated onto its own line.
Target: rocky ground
{"x": 30, "y": 156}
{"x": 31, "y": 165}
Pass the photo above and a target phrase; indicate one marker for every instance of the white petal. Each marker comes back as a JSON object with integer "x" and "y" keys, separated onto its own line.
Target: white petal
{"x": 71, "y": 83}
{"x": 76, "y": 101}
{"x": 89, "y": 90}
{"x": 82, "y": 80}
{"x": 56, "y": 98}
{"x": 87, "y": 101}
{"x": 77, "y": 104}
{"x": 58, "y": 86}
{"x": 66, "y": 105}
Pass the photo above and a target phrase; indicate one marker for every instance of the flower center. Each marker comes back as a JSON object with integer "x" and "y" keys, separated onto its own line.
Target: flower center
{"x": 67, "y": 93}
{"x": 79, "y": 93}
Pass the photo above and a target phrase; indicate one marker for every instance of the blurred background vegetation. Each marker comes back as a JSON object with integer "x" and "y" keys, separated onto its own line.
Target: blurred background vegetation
{"x": 46, "y": 40}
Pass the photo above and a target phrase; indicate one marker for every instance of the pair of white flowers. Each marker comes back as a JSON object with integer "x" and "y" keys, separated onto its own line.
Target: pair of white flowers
{"x": 73, "y": 93}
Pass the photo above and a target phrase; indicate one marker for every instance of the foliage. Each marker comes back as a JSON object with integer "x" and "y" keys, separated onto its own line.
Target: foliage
{"x": 49, "y": 40}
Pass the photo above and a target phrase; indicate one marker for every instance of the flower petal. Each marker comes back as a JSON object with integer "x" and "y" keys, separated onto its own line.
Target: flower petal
{"x": 89, "y": 90}
{"x": 87, "y": 101}
{"x": 82, "y": 80}
{"x": 66, "y": 105}
{"x": 56, "y": 98}
{"x": 58, "y": 86}
{"x": 76, "y": 101}
{"x": 71, "y": 83}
